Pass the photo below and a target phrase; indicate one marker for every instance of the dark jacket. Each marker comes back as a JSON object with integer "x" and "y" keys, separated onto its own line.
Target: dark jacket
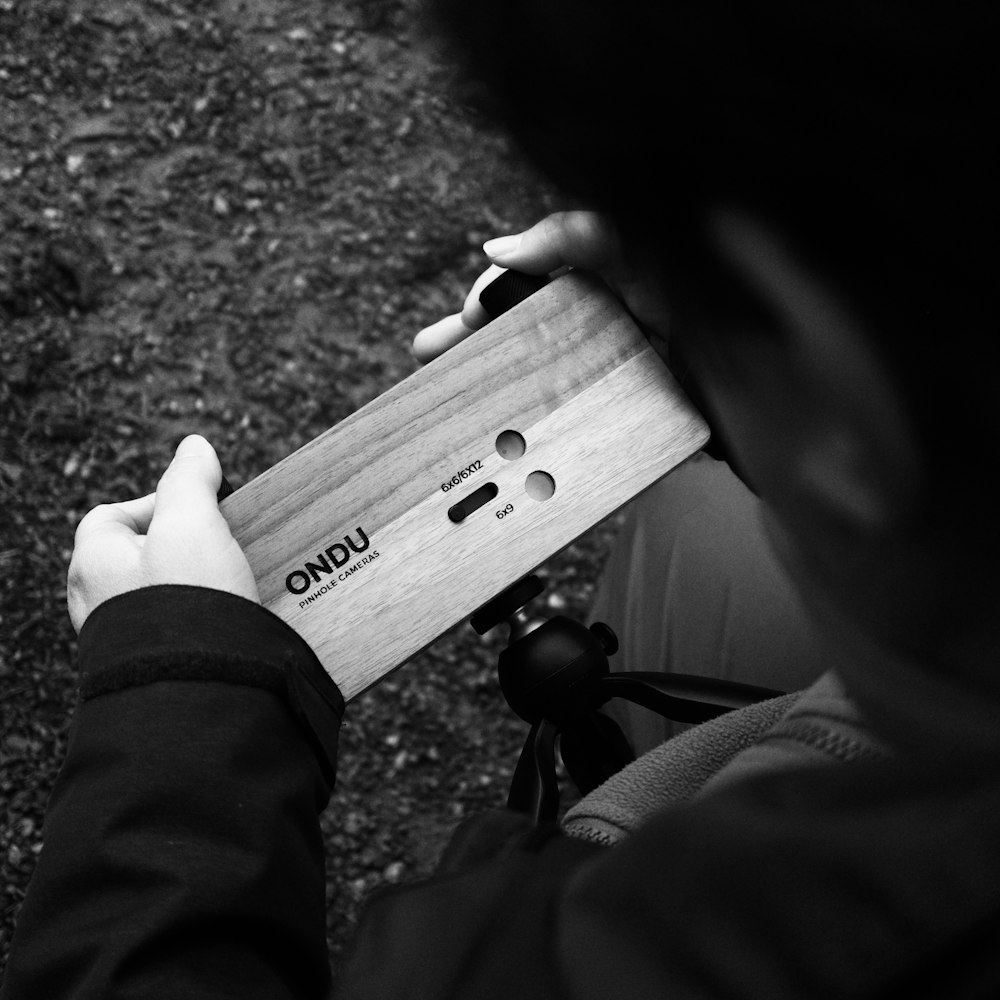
{"x": 183, "y": 858}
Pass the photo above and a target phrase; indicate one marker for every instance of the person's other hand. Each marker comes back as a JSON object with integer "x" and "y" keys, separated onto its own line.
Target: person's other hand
{"x": 175, "y": 535}
{"x": 586, "y": 240}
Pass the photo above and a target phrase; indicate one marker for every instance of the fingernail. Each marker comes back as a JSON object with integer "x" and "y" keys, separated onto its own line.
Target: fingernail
{"x": 501, "y": 246}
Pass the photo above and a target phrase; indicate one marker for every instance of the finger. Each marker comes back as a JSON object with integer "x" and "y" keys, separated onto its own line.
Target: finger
{"x": 582, "y": 239}
{"x": 564, "y": 239}
{"x": 439, "y": 337}
{"x": 473, "y": 314}
{"x": 129, "y": 517}
{"x": 190, "y": 485}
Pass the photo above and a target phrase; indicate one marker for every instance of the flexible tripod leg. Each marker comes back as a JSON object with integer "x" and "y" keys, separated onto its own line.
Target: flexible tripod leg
{"x": 534, "y": 788}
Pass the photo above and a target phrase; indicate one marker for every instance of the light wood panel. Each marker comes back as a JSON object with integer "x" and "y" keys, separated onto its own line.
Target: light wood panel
{"x": 350, "y": 538}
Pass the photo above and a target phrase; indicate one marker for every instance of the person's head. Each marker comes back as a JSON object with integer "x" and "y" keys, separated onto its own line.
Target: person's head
{"x": 810, "y": 181}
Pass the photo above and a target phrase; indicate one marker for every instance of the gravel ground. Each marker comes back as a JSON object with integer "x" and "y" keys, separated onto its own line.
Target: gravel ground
{"x": 231, "y": 217}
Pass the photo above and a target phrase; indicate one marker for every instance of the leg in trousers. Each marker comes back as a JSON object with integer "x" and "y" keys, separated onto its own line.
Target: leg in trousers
{"x": 693, "y": 587}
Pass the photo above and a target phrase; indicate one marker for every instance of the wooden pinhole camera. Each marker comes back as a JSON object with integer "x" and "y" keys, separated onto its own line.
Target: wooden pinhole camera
{"x": 388, "y": 529}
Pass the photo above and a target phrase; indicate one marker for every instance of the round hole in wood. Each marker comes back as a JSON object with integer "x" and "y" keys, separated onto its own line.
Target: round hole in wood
{"x": 539, "y": 486}
{"x": 511, "y": 445}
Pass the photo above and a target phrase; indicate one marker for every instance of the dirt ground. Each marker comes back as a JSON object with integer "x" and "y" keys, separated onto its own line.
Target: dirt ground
{"x": 231, "y": 217}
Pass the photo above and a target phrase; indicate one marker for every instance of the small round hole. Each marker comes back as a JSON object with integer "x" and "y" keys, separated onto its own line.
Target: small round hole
{"x": 539, "y": 486}
{"x": 510, "y": 445}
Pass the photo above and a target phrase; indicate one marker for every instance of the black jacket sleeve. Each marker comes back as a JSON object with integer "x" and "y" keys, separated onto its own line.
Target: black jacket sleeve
{"x": 182, "y": 854}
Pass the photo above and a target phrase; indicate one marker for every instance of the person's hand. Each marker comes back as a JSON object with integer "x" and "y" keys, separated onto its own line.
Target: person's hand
{"x": 586, "y": 240}
{"x": 175, "y": 535}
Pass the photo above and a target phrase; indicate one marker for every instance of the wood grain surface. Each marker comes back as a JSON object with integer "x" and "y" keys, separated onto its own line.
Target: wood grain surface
{"x": 350, "y": 538}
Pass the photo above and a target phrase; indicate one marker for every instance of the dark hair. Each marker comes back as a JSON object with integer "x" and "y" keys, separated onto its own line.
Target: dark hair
{"x": 861, "y": 127}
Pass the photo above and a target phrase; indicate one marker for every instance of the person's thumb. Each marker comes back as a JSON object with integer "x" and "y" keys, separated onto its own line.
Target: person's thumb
{"x": 191, "y": 481}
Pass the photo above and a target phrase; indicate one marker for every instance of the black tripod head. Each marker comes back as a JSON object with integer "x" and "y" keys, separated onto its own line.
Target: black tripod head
{"x": 555, "y": 675}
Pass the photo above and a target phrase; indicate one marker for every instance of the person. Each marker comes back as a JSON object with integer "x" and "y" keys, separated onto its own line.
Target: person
{"x": 810, "y": 242}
